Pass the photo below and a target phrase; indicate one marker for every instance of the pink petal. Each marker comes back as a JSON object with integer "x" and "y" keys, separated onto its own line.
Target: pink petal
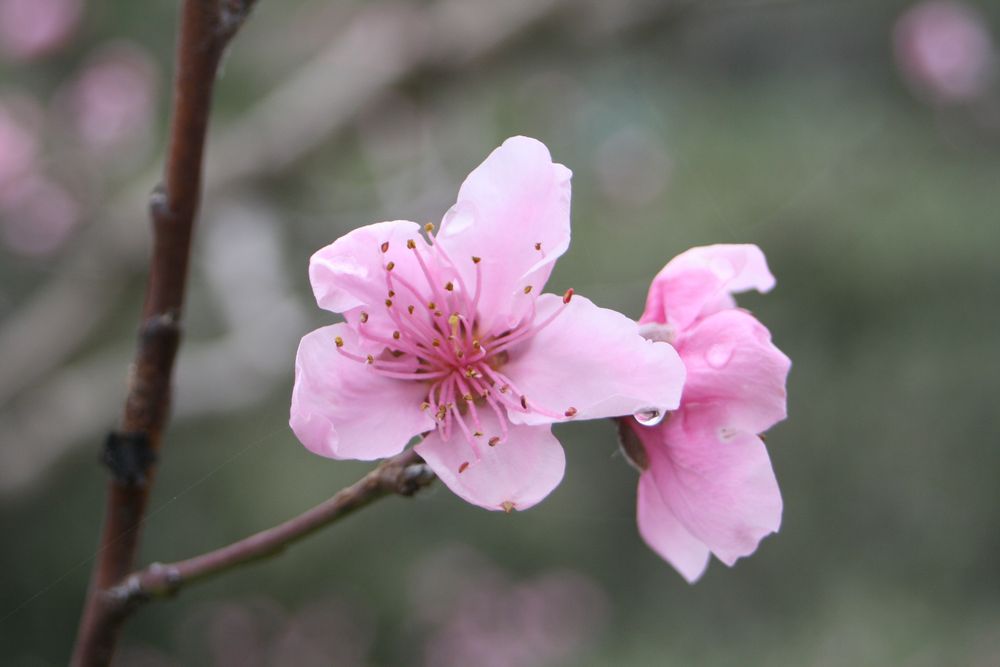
{"x": 699, "y": 282}
{"x": 591, "y": 362}
{"x": 349, "y": 275}
{"x": 718, "y": 484}
{"x": 731, "y": 362}
{"x": 515, "y": 474}
{"x": 343, "y": 409}
{"x": 516, "y": 199}
{"x": 665, "y": 534}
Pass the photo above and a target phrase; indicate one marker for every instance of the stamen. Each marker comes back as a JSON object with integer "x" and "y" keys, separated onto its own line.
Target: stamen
{"x": 538, "y": 246}
{"x": 462, "y": 468}
{"x": 385, "y": 247}
{"x": 390, "y": 266}
{"x": 571, "y": 411}
{"x": 527, "y": 289}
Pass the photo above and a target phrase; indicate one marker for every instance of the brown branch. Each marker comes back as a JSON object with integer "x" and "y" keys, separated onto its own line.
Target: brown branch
{"x": 205, "y": 29}
{"x": 403, "y": 475}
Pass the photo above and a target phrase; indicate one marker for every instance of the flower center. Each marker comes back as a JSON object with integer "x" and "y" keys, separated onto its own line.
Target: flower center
{"x": 437, "y": 341}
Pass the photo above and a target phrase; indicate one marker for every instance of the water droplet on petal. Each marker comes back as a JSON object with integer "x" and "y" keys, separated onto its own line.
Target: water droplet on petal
{"x": 719, "y": 355}
{"x": 649, "y": 416}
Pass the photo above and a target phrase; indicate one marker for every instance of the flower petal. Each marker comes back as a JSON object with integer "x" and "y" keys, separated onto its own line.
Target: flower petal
{"x": 591, "y": 362}
{"x": 718, "y": 484}
{"x": 343, "y": 409}
{"x": 665, "y": 534}
{"x": 731, "y": 361}
{"x": 513, "y": 213}
{"x": 515, "y": 474}
{"x": 699, "y": 282}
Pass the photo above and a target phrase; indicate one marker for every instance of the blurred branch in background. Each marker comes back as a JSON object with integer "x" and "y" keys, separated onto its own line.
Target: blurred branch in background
{"x": 380, "y": 47}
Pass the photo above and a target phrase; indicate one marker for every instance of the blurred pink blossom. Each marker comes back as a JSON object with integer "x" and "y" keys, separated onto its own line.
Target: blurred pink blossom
{"x": 19, "y": 139}
{"x": 37, "y": 216}
{"x": 112, "y": 102}
{"x": 945, "y": 51}
{"x": 33, "y": 28}
{"x": 478, "y": 615}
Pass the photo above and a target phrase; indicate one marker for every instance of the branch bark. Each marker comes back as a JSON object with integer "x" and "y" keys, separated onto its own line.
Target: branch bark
{"x": 403, "y": 475}
{"x": 206, "y": 27}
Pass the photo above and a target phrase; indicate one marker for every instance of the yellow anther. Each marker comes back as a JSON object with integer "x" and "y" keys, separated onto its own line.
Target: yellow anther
{"x": 425, "y": 405}
{"x": 508, "y": 506}
{"x": 370, "y": 359}
{"x": 411, "y": 244}
{"x": 431, "y": 305}
{"x": 527, "y": 289}
{"x": 429, "y": 227}
{"x": 339, "y": 341}
{"x": 388, "y": 303}
{"x": 390, "y": 266}
{"x": 469, "y": 398}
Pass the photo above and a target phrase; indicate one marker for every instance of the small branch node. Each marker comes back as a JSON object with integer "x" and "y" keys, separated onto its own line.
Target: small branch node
{"x": 129, "y": 457}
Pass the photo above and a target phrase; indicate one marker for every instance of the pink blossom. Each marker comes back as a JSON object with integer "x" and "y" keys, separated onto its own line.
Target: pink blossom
{"x": 706, "y": 484}
{"x": 34, "y": 28}
{"x": 450, "y": 336}
{"x": 945, "y": 50}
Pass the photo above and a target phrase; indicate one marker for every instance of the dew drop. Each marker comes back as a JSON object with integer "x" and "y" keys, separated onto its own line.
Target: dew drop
{"x": 649, "y": 416}
{"x": 719, "y": 355}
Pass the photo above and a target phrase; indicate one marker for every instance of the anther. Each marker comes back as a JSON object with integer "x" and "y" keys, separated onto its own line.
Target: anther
{"x": 436, "y": 342}
{"x": 431, "y": 305}
{"x": 538, "y": 246}
{"x": 385, "y": 247}
{"x": 364, "y": 317}
{"x": 567, "y": 295}
{"x": 504, "y": 388}
{"x": 476, "y": 260}
{"x": 409, "y": 309}
{"x": 411, "y": 244}
{"x": 339, "y": 341}
{"x": 425, "y": 405}
{"x": 524, "y": 402}
{"x": 527, "y": 289}
{"x": 475, "y": 344}
{"x": 494, "y": 441}
{"x": 507, "y": 506}
{"x": 370, "y": 359}
{"x": 469, "y": 398}
{"x": 388, "y": 303}
{"x": 570, "y": 411}
{"x": 450, "y": 286}
{"x": 477, "y": 434}
{"x": 390, "y": 266}
{"x": 395, "y": 335}
{"x": 392, "y": 293}
{"x": 462, "y": 467}
{"x": 429, "y": 227}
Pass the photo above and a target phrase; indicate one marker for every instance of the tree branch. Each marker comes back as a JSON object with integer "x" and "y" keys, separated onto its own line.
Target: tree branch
{"x": 403, "y": 475}
{"x": 205, "y": 29}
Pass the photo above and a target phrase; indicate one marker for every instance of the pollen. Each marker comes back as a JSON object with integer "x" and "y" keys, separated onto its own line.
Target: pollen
{"x": 570, "y": 411}
{"x": 392, "y": 293}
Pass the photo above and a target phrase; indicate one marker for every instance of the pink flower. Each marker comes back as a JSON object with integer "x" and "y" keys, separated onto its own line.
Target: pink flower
{"x": 706, "y": 484}
{"x": 450, "y": 336}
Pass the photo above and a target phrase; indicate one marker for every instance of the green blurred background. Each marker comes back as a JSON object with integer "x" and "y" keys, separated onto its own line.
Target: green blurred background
{"x": 858, "y": 143}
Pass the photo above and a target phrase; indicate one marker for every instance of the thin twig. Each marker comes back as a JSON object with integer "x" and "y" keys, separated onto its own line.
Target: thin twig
{"x": 403, "y": 475}
{"x": 205, "y": 29}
